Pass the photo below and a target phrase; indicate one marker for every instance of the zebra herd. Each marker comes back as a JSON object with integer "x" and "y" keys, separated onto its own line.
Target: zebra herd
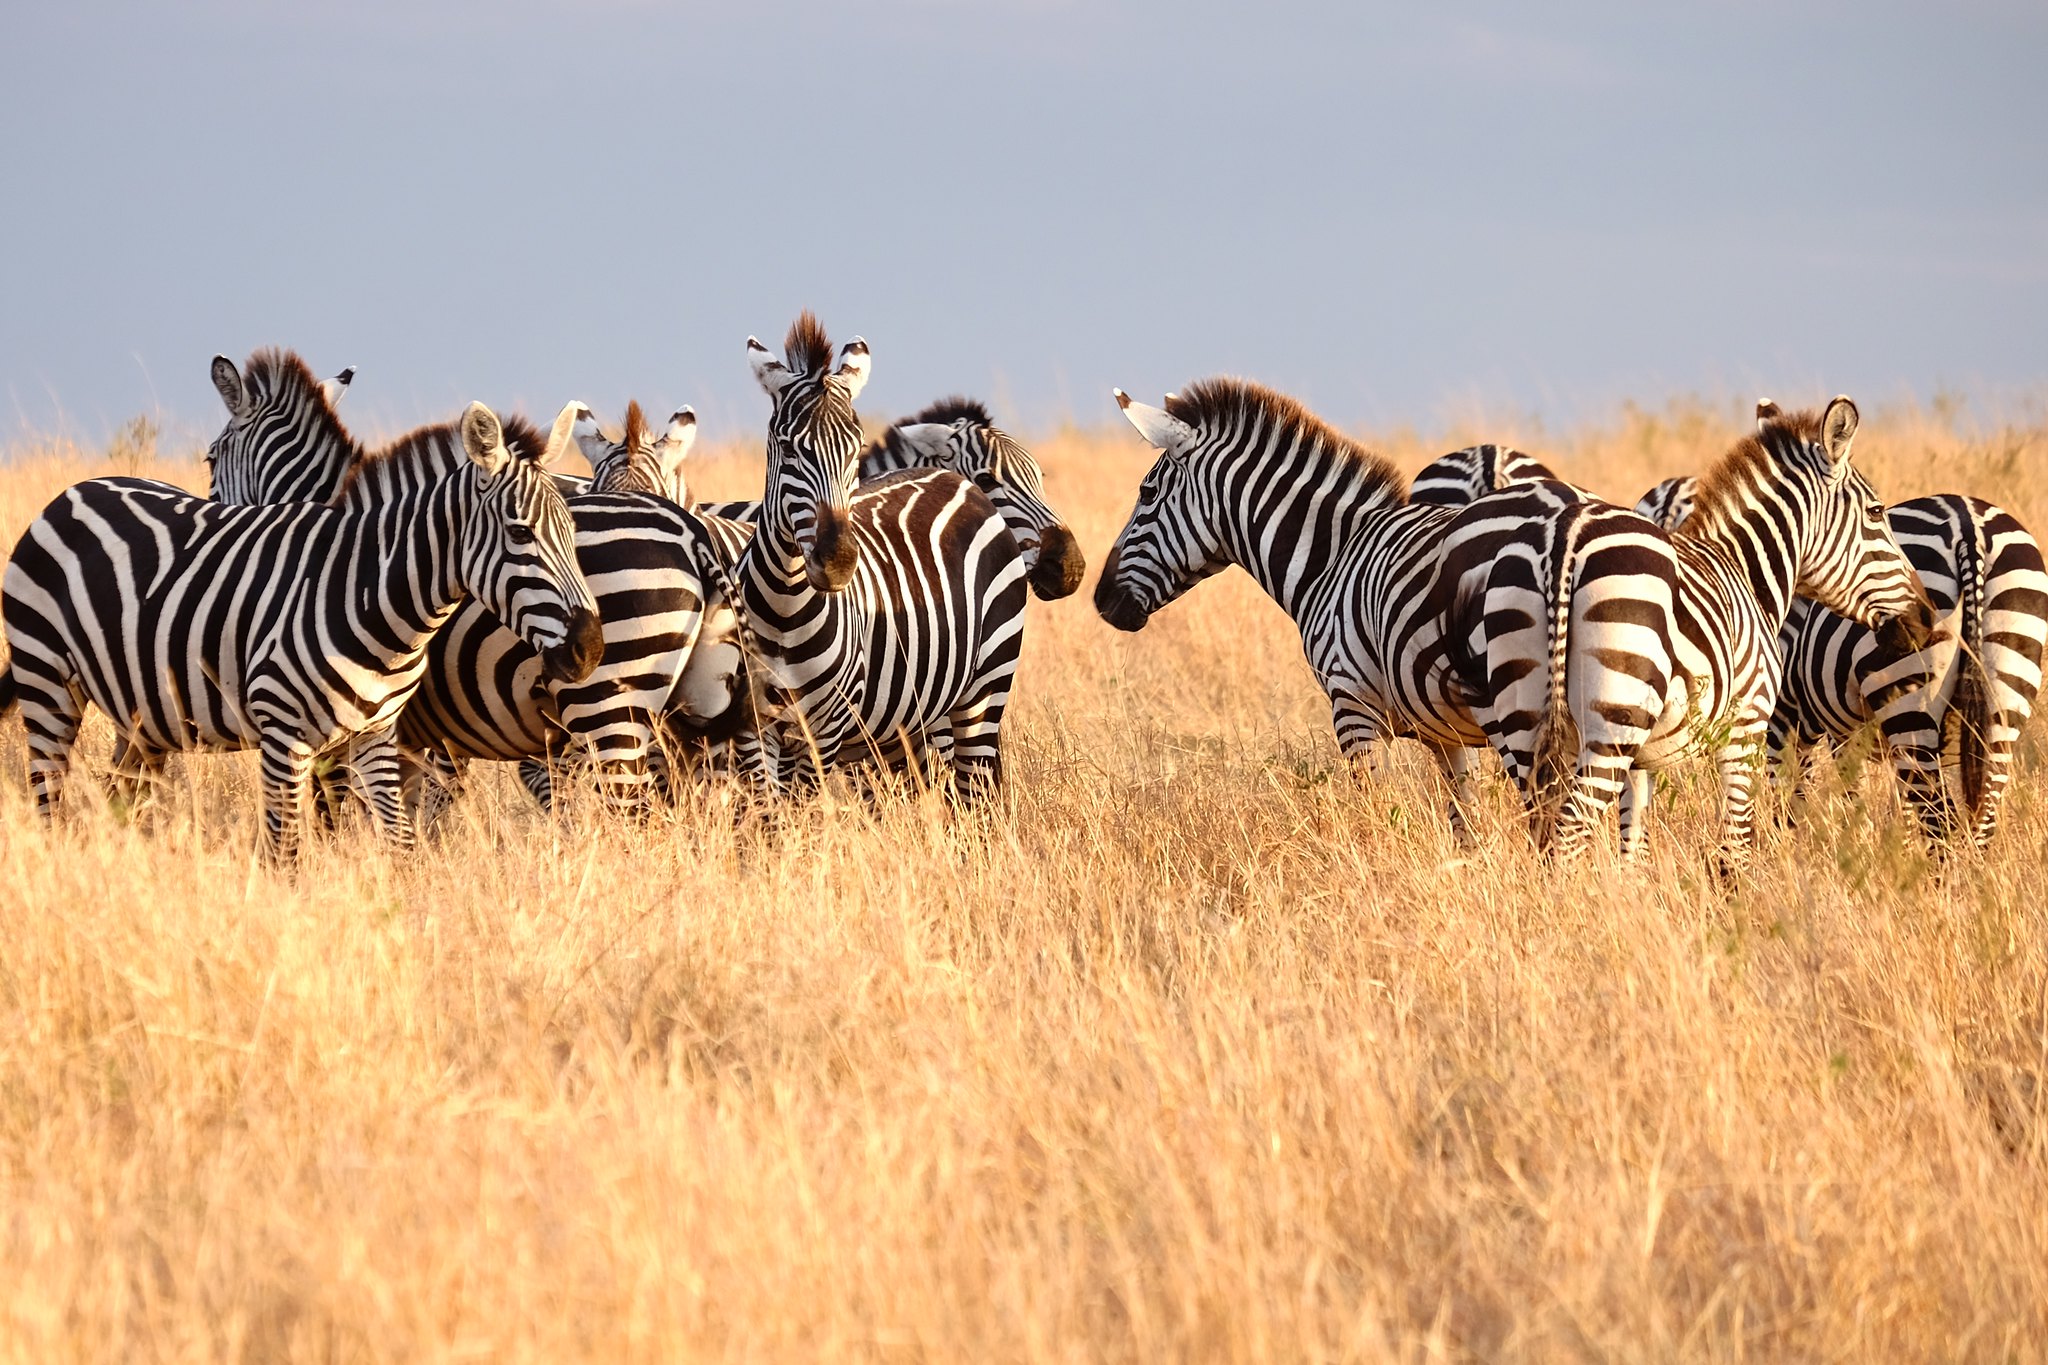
{"x": 1771, "y": 603}
{"x": 375, "y": 621}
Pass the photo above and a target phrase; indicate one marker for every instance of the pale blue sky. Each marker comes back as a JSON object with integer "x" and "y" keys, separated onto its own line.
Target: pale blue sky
{"x": 1394, "y": 212}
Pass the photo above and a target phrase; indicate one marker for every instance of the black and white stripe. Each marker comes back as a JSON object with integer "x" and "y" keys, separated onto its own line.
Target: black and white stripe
{"x": 294, "y": 628}
{"x": 485, "y": 694}
{"x": 888, "y": 622}
{"x": 1248, "y": 477}
{"x": 1784, "y": 512}
{"x": 1465, "y": 476}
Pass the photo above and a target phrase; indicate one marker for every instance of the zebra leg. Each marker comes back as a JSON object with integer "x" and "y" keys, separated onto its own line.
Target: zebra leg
{"x": 1739, "y": 761}
{"x": 973, "y": 734}
{"x": 52, "y": 709}
{"x": 376, "y": 772}
{"x": 287, "y": 776}
{"x": 1997, "y": 774}
{"x": 1635, "y": 812}
{"x": 538, "y": 777}
{"x": 138, "y": 769}
{"x": 432, "y": 781}
{"x": 1596, "y": 783}
{"x": 1457, "y": 766}
{"x": 1921, "y": 778}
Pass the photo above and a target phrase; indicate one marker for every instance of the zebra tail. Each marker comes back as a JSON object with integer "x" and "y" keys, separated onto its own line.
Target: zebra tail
{"x": 1467, "y": 681}
{"x": 1972, "y": 702}
{"x": 1556, "y": 748}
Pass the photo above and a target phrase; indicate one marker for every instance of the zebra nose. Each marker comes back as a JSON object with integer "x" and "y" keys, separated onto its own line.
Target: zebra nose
{"x": 834, "y": 554}
{"x": 578, "y": 656}
{"x": 1057, "y": 573}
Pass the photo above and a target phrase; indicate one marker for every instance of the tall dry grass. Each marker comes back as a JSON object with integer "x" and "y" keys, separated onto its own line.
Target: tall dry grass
{"x": 1195, "y": 1050}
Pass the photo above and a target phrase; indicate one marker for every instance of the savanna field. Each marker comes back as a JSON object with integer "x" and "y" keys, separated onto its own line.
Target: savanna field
{"x": 1196, "y": 1048}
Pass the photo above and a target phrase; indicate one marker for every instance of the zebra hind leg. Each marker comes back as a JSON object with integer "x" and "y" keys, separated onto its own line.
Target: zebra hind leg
{"x": 974, "y": 734}
{"x": 52, "y": 710}
{"x": 1635, "y": 812}
{"x": 138, "y": 769}
{"x": 287, "y": 777}
{"x": 377, "y": 776}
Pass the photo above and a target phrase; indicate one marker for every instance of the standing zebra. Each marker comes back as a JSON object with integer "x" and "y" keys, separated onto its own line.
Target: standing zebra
{"x": 958, "y": 434}
{"x": 485, "y": 693}
{"x": 1249, "y": 477}
{"x": 294, "y": 629}
{"x": 1784, "y": 512}
{"x": 888, "y": 622}
{"x": 1957, "y": 703}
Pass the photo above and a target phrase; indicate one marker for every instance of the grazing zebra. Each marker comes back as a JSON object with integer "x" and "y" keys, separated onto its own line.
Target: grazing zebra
{"x": 1784, "y": 512}
{"x": 1467, "y": 475}
{"x": 1249, "y": 477}
{"x": 295, "y": 629}
{"x": 485, "y": 694}
{"x": 888, "y": 622}
{"x": 1959, "y": 702}
{"x": 958, "y": 434}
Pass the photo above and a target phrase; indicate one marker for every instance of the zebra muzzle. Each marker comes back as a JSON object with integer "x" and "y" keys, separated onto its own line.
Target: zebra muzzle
{"x": 834, "y": 554}
{"x": 1113, "y": 601}
{"x": 1909, "y": 630}
{"x": 576, "y": 657}
{"x": 1057, "y": 572}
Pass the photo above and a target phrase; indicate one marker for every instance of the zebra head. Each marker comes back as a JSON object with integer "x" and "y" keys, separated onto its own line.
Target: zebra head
{"x": 639, "y": 462}
{"x": 813, "y": 450}
{"x": 957, "y": 434}
{"x": 1174, "y": 538}
{"x": 282, "y": 442}
{"x": 1845, "y": 555}
{"x": 517, "y": 548}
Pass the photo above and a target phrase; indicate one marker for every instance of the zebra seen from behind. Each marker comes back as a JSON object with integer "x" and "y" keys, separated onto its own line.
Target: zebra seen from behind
{"x": 1784, "y": 513}
{"x": 294, "y": 629}
{"x": 887, "y": 623}
{"x": 1954, "y": 706}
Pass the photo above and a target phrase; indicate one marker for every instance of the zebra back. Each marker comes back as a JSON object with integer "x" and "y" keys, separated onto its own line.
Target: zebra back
{"x": 1470, "y": 474}
{"x": 1669, "y": 503}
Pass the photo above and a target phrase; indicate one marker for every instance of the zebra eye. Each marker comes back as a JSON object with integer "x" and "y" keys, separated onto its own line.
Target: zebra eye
{"x": 519, "y": 534}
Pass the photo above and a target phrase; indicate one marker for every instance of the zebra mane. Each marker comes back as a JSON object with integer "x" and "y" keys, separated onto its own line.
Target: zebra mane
{"x": 947, "y": 411}
{"x": 1225, "y": 402}
{"x": 1780, "y": 440}
{"x": 432, "y": 446}
{"x": 807, "y": 350}
{"x": 273, "y": 370}
{"x": 635, "y": 435}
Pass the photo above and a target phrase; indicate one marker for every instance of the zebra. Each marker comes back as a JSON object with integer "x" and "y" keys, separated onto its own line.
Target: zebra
{"x": 485, "y": 693}
{"x": 294, "y": 629}
{"x": 1644, "y": 683}
{"x": 958, "y": 434}
{"x": 1957, "y": 703}
{"x": 1670, "y": 502}
{"x": 1464, "y": 476}
{"x": 886, "y": 623}
{"x": 1249, "y": 477}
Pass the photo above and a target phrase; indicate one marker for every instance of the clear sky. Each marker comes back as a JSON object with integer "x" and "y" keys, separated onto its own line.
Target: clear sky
{"x": 1395, "y": 212}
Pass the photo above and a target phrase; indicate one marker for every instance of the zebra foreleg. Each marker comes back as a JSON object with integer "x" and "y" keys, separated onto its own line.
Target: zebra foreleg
{"x": 1457, "y": 766}
{"x": 1739, "y": 761}
{"x": 1636, "y": 796}
{"x": 138, "y": 769}
{"x": 287, "y": 778}
{"x": 377, "y": 777}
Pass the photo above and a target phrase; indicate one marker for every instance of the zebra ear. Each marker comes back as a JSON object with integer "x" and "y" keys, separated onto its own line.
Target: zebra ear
{"x": 853, "y": 367}
{"x": 483, "y": 436}
{"x": 674, "y": 446}
{"x": 559, "y": 435}
{"x": 333, "y": 389}
{"x": 227, "y": 381}
{"x": 1159, "y": 427}
{"x": 769, "y": 372}
{"x": 1838, "y": 429}
{"x": 1767, "y": 411}
{"x": 931, "y": 442}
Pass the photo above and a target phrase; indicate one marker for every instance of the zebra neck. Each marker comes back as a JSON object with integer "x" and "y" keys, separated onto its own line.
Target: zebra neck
{"x": 401, "y": 560}
{"x": 1289, "y": 532}
{"x": 771, "y": 574}
{"x": 1753, "y": 547}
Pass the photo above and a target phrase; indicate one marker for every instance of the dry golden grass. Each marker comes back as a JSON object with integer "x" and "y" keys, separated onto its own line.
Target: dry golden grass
{"x": 1197, "y": 1050}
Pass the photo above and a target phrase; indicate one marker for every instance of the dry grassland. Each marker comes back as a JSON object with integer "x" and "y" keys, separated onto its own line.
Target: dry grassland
{"x": 1197, "y": 1050}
